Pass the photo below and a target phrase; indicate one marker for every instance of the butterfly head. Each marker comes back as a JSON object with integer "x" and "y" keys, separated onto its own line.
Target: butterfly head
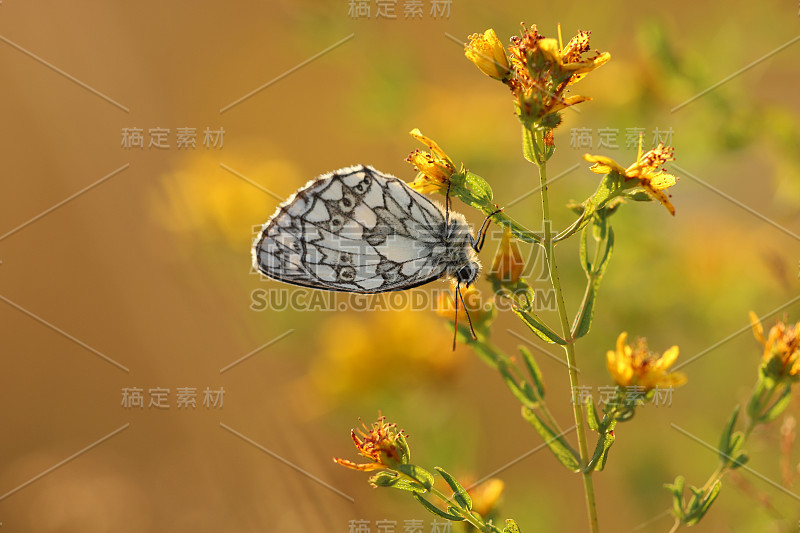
{"x": 468, "y": 273}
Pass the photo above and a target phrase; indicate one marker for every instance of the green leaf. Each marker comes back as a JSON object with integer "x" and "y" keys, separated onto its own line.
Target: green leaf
{"x": 603, "y": 264}
{"x": 417, "y": 473}
{"x": 563, "y": 452}
{"x": 541, "y": 331}
{"x": 511, "y": 527}
{"x": 533, "y": 370}
{"x": 592, "y": 417}
{"x": 435, "y": 510}
{"x": 523, "y": 394}
{"x": 697, "y": 511}
{"x": 727, "y": 435}
{"x": 385, "y": 479}
{"x": 585, "y": 264}
{"x": 600, "y": 456}
{"x": 740, "y": 460}
{"x": 583, "y": 321}
{"x": 405, "y": 451}
{"x": 459, "y": 493}
{"x": 528, "y": 149}
{"x": 676, "y": 489}
{"x": 610, "y": 187}
{"x": 778, "y": 407}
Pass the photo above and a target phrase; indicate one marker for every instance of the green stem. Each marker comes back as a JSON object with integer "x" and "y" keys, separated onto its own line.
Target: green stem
{"x": 569, "y": 348}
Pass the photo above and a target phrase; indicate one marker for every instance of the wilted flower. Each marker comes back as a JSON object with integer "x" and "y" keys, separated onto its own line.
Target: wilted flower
{"x": 383, "y": 443}
{"x": 645, "y": 171}
{"x": 487, "y": 53}
{"x": 781, "y": 348}
{"x": 508, "y": 263}
{"x": 640, "y": 367}
{"x": 543, "y": 70}
{"x": 435, "y": 168}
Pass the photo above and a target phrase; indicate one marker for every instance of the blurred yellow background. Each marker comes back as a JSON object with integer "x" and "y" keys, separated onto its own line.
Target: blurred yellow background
{"x": 150, "y": 267}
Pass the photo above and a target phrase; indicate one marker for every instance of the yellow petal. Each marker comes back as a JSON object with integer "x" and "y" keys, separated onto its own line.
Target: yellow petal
{"x": 661, "y": 180}
{"x": 674, "y": 379}
{"x": 667, "y": 359}
{"x": 758, "y": 329}
{"x": 603, "y": 165}
{"x": 431, "y": 144}
{"x": 563, "y": 103}
{"x": 549, "y": 47}
{"x": 661, "y": 197}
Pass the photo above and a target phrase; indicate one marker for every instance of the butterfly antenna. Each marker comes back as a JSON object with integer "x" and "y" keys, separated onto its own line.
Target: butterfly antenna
{"x": 455, "y": 325}
{"x": 466, "y": 312}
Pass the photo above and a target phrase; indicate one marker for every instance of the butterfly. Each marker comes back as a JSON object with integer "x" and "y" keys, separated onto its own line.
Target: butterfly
{"x": 359, "y": 230}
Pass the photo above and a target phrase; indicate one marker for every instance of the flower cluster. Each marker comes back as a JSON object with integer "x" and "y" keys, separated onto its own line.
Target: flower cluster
{"x": 636, "y": 365}
{"x": 645, "y": 172}
{"x": 383, "y": 443}
{"x": 537, "y": 69}
{"x": 781, "y": 359}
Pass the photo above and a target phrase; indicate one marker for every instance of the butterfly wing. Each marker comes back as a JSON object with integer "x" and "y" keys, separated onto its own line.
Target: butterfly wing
{"x": 354, "y": 230}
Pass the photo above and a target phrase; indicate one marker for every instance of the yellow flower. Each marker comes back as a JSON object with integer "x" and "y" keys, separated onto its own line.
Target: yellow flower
{"x": 478, "y": 312}
{"x": 638, "y": 366}
{"x": 380, "y": 443}
{"x": 487, "y": 53}
{"x": 508, "y": 263}
{"x": 569, "y": 59}
{"x": 645, "y": 171}
{"x": 542, "y": 70}
{"x": 486, "y": 496}
{"x": 435, "y": 168}
{"x": 781, "y": 348}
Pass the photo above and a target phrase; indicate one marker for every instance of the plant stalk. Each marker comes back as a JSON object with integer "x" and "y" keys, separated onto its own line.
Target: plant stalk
{"x": 569, "y": 348}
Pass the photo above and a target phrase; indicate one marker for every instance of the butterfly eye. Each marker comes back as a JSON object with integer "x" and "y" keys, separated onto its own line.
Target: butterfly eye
{"x": 347, "y": 274}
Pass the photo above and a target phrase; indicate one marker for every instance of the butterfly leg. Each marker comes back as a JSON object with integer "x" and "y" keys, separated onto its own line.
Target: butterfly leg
{"x": 477, "y": 244}
{"x": 469, "y": 320}
{"x": 447, "y": 206}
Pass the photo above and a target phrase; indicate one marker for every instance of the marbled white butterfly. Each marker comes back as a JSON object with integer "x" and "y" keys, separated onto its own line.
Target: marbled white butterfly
{"x": 359, "y": 230}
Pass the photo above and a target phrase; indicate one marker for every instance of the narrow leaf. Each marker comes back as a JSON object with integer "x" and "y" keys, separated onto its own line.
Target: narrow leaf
{"x": 541, "y": 331}
{"x": 417, "y": 473}
{"x": 459, "y": 493}
{"x": 533, "y": 370}
{"x": 603, "y": 263}
{"x": 583, "y": 322}
{"x": 699, "y": 510}
{"x": 435, "y": 510}
{"x": 778, "y": 407}
{"x": 592, "y": 417}
{"x": 528, "y": 149}
{"x": 727, "y": 435}
{"x": 740, "y": 460}
{"x": 563, "y": 452}
{"x": 585, "y": 264}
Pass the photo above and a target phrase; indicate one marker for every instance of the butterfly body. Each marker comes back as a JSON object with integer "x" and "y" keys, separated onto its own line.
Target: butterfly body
{"x": 359, "y": 230}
